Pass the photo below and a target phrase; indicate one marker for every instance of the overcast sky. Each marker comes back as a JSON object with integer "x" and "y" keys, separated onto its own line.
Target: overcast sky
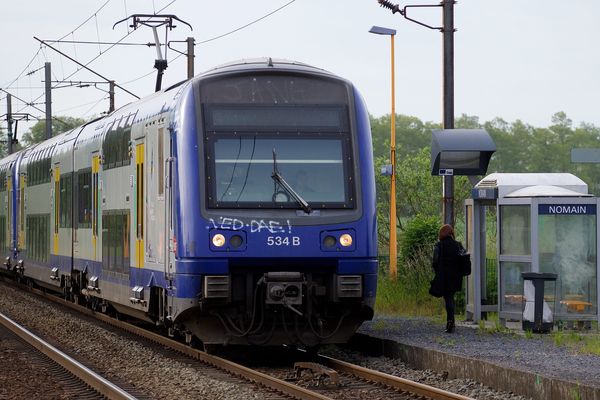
{"x": 514, "y": 59}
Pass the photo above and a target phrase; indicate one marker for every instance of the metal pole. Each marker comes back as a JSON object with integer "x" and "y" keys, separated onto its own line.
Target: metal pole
{"x": 48, "y": 100}
{"x": 448, "y": 31}
{"x": 111, "y": 96}
{"x": 393, "y": 248}
{"x": 190, "y": 57}
{"x": 9, "y": 122}
{"x": 83, "y": 66}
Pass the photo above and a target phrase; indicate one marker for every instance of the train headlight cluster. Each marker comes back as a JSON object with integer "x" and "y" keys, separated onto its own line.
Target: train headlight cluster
{"x": 342, "y": 240}
{"x": 227, "y": 240}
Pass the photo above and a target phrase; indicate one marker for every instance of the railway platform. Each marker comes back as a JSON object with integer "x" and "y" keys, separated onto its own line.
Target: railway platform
{"x": 538, "y": 366}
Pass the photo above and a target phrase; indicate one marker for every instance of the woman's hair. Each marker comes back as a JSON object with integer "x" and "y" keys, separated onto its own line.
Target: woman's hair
{"x": 445, "y": 231}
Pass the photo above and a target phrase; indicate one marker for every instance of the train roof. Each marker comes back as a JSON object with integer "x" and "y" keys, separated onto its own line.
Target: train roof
{"x": 266, "y": 63}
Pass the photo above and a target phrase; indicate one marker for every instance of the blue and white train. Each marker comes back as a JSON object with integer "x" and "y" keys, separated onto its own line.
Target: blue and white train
{"x": 236, "y": 207}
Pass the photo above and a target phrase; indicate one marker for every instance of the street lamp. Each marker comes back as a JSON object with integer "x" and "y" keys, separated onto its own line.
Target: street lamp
{"x": 448, "y": 92}
{"x": 393, "y": 253}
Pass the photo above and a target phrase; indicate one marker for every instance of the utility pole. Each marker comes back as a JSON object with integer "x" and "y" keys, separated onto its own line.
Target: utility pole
{"x": 448, "y": 32}
{"x": 111, "y": 96}
{"x": 9, "y": 122}
{"x": 48, "y": 82}
{"x": 190, "y": 57}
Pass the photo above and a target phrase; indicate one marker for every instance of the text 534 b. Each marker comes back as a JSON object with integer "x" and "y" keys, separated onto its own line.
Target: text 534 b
{"x": 283, "y": 241}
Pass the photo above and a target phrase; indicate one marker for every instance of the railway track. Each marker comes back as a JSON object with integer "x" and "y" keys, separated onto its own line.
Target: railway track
{"x": 76, "y": 379}
{"x": 328, "y": 378}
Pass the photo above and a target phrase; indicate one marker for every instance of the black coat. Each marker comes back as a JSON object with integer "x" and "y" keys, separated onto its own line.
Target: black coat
{"x": 448, "y": 279}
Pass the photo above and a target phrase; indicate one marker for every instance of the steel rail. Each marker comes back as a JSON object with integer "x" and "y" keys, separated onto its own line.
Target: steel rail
{"x": 233, "y": 368}
{"x": 391, "y": 380}
{"x": 95, "y": 381}
{"x": 260, "y": 378}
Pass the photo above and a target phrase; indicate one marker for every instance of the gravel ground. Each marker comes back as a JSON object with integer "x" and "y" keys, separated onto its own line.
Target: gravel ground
{"x": 538, "y": 354}
{"x": 21, "y": 367}
{"x": 129, "y": 360}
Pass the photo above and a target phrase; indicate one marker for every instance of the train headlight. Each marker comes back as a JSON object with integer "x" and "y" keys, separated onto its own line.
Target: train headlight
{"x": 236, "y": 241}
{"x": 346, "y": 240}
{"x": 329, "y": 241}
{"x": 218, "y": 240}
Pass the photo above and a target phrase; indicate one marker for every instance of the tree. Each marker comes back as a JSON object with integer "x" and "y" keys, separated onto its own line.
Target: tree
{"x": 37, "y": 133}
{"x": 3, "y": 141}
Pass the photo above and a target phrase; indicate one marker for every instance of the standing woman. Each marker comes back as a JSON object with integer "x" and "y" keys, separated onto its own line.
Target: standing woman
{"x": 448, "y": 279}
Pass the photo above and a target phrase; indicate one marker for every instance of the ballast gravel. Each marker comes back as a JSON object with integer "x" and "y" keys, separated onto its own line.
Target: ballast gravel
{"x": 158, "y": 376}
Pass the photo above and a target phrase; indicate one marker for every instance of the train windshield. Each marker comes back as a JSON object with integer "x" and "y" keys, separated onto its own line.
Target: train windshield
{"x": 308, "y": 145}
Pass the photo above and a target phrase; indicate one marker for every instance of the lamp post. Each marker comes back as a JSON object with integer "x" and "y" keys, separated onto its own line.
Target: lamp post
{"x": 448, "y": 86}
{"x": 378, "y": 30}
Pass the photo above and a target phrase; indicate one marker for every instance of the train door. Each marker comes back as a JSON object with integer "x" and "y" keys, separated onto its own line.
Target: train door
{"x": 155, "y": 239}
{"x": 21, "y": 212}
{"x": 9, "y": 210}
{"x": 95, "y": 203}
{"x": 56, "y": 175}
{"x": 139, "y": 202}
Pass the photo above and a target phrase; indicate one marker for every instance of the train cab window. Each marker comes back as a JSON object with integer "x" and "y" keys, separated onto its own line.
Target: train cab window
{"x": 314, "y": 157}
{"x": 313, "y": 167}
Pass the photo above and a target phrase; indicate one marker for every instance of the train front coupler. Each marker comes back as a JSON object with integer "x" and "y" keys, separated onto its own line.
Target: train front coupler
{"x": 285, "y": 288}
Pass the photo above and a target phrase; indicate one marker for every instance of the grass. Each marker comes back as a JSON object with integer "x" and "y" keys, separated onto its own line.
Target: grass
{"x": 493, "y": 325}
{"x": 409, "y": 294}
{"x": 588, "y": 343}
{"x": 528, "y": 334}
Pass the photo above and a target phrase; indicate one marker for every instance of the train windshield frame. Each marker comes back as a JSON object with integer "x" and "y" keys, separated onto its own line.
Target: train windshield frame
{"x": 297, "y": 125}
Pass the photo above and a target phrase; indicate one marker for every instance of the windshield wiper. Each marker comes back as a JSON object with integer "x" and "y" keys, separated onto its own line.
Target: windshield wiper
{"x": 282, "y": 182}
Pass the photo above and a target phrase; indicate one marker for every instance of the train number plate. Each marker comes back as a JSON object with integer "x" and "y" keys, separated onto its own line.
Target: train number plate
{"x": 283, "y": 241}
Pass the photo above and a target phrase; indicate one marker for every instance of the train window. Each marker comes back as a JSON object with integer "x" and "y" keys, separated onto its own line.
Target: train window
{"x": 298, "y": 125}
{"x": 115, "y": 241}
{"x": 84, "y": 197}
{"x": 265, "y": 88}
{"x": 318, "y": 169}
{"x": 66, "y": 201}
{"x": 253, "y": 118}
{"x": 37, "y": 237}
{"x": 3, "y": 181}
{"x": 38, "y": 171}
{"x": 116, "y": 148}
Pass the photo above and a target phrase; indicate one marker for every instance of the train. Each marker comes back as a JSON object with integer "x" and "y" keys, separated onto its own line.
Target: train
{"x": 233, "y": 208}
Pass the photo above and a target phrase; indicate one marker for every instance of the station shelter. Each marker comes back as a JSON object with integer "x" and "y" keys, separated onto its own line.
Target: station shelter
{"x": 545, "y": 223}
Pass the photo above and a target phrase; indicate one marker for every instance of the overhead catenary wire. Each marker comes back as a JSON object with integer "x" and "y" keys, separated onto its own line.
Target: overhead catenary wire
{"x": 248, "y": 24}
{"x": 95, "y": 101}
{"x": 96, "y": 57}
{"x": 121, "y": 43}
{"x": 41, "y": 50}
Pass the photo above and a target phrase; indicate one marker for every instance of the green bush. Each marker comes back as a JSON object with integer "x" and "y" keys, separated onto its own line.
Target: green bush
{"x": 419, "y": 236}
